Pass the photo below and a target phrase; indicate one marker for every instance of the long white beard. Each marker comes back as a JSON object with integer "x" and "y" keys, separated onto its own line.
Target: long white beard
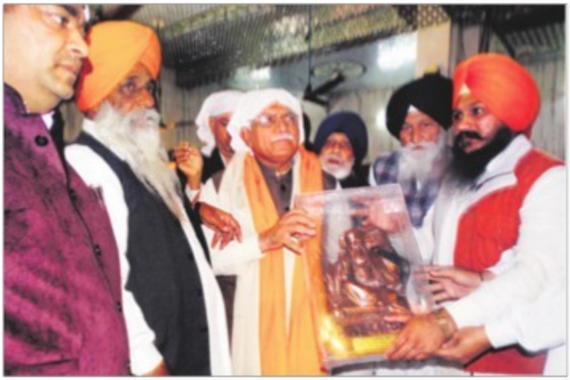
{"x": 339, "y": 171}
{"x": 418, "y": 164}
{"x": 135, "y": 138}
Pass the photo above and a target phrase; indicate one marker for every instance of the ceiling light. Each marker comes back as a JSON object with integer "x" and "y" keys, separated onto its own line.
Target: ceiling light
{"x": 327, "y": 70}
{"x": 261, "y": 74}
{"x": 396, "y": 52}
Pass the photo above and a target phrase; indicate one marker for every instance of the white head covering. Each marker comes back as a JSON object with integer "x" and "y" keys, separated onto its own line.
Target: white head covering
{"x": 216, "y": 104}
{"x": 251, "y": 105}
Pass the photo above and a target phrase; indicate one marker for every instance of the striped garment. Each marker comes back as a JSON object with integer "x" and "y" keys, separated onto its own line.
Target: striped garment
{"x": 418, "y": 198}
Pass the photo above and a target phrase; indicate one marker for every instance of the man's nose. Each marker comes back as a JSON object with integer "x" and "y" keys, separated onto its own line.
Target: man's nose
{"x": 77, "y": 44}
{"x": 335, "y": 148}
{"x": 415, "y": 136}
{"x": 463, "y": 124}
{"x": 146, "y": 99}
{"x": 281, "y": 124}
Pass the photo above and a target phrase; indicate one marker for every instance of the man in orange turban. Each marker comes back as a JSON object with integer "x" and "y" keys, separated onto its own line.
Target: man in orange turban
{"x": 173, "y": 307}
{"x": 503, "y": 85}
{"x": 111, "y": 58}
{"x": 500, "y": 220}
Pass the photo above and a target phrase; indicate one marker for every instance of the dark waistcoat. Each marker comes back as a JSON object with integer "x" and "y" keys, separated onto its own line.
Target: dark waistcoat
{"x": 163, "y": 276}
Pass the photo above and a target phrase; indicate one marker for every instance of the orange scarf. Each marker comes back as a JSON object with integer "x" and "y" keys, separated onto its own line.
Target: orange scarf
{"x": 296, "y": 354}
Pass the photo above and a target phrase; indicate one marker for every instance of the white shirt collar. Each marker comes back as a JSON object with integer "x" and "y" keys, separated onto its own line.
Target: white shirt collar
{"x": 506, "y": 161}
{"x": 48, "y": 119}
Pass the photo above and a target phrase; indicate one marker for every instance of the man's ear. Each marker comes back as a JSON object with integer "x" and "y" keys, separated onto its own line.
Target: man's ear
{"x": 212, "y": 124}
{"x": 245, "y": 134}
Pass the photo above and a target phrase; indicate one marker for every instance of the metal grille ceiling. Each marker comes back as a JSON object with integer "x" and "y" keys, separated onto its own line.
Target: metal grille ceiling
{"x": 208, "y": 43}
{"x": 524, "y": 30}
{"x": 211, "y": 43}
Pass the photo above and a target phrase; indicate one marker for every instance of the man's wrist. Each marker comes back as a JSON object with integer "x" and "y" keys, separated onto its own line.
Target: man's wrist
{"x": 486, "y": 275}
{"x": 481, "y": 278}
{"x": 445, "y": 323}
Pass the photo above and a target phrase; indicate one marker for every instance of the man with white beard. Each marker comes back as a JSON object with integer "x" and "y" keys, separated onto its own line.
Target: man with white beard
{"x": 500, "y": 221}
{"x": 341, "y": 143}
{"x": 418, "y": 114}
{"x": 173, "y": 306}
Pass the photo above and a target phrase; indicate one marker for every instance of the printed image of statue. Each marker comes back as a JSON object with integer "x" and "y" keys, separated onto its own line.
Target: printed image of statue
{"x": 363, "y": 275}
{"x": 366, "y": 282}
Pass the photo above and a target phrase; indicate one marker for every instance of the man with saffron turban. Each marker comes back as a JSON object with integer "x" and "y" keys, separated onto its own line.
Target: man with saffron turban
{"x": 273, "y": 331}
{"x": 418, "y": 115}
{"x": 500, "y": 219}
{"x": 173, "y": 306}
{"x": 341, "y": 143}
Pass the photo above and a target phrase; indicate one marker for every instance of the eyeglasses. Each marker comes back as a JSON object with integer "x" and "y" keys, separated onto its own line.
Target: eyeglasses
{"x": 131, "y": 87}
{"x": 268, "y": 120}
{"x": 342, "y": 144}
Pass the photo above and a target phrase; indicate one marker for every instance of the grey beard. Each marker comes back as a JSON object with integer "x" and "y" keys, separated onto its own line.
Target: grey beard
{"x": 418, "y": 165}
{"x": 135, "y": 138}
{"x": 337, "y": 172}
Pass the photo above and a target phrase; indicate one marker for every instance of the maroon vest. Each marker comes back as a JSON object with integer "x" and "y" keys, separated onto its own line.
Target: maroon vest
{"x": 62, "y": 287}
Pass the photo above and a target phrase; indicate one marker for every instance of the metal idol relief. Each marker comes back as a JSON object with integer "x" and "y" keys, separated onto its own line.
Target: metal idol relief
{"x": 362, "y": 268}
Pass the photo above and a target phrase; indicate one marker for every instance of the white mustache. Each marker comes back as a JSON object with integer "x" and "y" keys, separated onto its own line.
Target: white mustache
{"x": 423, "y": 144}
{"x": 331, "y": 157}
{"x": 282, "y": 136}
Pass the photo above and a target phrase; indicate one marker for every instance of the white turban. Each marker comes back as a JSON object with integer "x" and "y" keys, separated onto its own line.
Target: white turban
{"x": 216, "y": 104}
{"x": 251, "y": 105}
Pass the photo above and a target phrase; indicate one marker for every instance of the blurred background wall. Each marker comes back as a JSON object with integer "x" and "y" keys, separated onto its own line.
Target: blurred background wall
{"x": 340, "y": 57}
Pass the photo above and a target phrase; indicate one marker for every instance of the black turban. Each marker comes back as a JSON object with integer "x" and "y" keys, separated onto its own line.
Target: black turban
{"x": 431, "y": 94}
{"x": 351, "y": 125}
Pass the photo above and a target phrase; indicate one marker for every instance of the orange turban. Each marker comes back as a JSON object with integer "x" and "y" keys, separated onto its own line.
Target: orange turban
{"x": 504, "y": 86}
{"x": 115, "y": 47}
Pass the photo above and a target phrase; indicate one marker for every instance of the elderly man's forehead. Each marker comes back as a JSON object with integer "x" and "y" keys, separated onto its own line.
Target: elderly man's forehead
{"x": 338, "y": 135}
{"x": 415, "y": 114}
{"x": 275, "y": 107}
{"x": 221, "y": 115}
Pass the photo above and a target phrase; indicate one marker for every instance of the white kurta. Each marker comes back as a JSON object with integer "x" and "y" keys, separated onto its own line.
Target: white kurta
{"x": 143, "y": 354}
{"x": 242, "y": 259}
{"x": 536, "y": 326}
{"x": 534, "y": 265}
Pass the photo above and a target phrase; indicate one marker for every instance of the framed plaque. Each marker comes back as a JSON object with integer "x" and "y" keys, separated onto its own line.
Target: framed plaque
{"x": 362, "y": 266}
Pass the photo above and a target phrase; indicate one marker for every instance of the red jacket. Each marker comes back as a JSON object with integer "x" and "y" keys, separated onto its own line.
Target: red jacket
{"x": 486, "y": 229}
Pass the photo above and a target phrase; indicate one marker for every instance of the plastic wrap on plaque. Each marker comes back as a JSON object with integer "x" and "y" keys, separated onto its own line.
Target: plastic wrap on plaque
{"x": 357, "y": 272}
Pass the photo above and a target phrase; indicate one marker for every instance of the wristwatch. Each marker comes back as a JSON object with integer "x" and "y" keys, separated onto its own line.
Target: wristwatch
{"x": 443, "y": 323}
